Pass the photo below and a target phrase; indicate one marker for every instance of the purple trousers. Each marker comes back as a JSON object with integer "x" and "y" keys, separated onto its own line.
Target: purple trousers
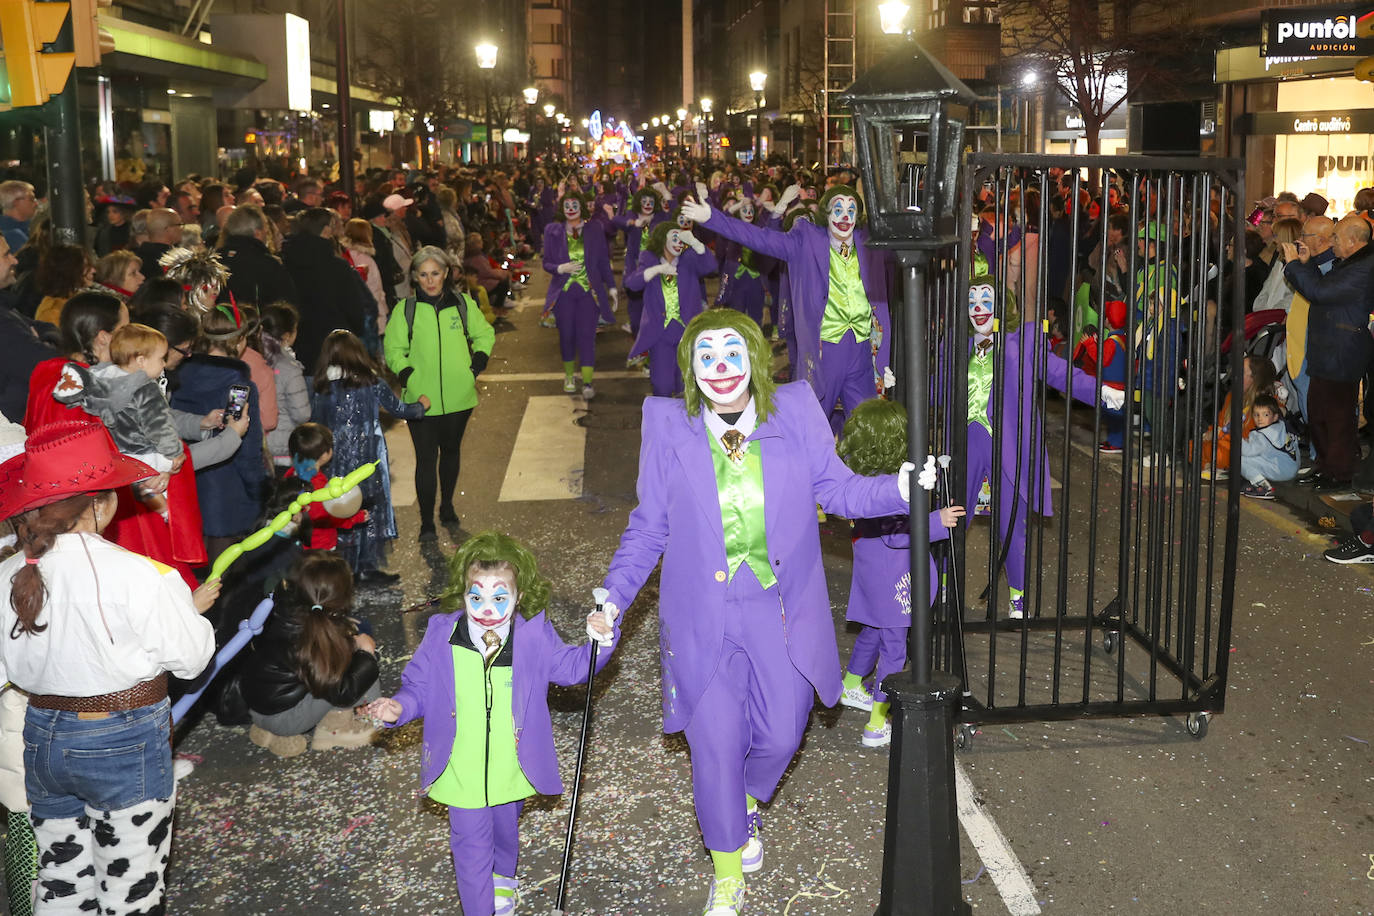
{"x": 665, "y": 378}
{"x": 1007, "y": 502}
{"x": 634, "y": 304}
{"x": 575, "y": 313}
{"x": 483, "y": 841}
{"x": 746, "y": 295}
{"x": 750, "y": 719}
{"x": 845, "y": 375}
{"x": 881, "y": 650}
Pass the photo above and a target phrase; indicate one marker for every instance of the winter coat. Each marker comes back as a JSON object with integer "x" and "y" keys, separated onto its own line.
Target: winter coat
{"x": 256, "y": 275}
{"x": 20, "y": 353}
{"x": 433, "y": 358}
{"x": 293, "y": 403}
{"x": 150, "y": 253}
{"x": 230, "y": 493}
{"x": 332, "y": 295}
{"x": 270, "y": 679}
{"x": 1338, "y": 343}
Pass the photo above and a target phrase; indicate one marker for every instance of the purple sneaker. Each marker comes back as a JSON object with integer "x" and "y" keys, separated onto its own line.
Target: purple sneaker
{"x": 878, "y": 737}
{"x": 1018, "y": 607}
{"x": 857, "y": 698}
{"x": 726, "y": 898}
{"x": 753, "y": 848}
{"x": 506, "y": 891}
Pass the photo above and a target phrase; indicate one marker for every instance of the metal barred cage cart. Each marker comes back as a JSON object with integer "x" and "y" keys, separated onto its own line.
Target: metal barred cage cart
{"x": 1095, "y": 577}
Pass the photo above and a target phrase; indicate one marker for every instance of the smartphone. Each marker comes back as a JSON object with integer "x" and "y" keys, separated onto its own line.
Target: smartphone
{"x": 238, "y": 402}
{"x": 1256, "y": 216}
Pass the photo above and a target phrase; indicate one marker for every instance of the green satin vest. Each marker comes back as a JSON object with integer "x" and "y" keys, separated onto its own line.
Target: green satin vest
{"x": 746, "y": 264}
{"x": 741, "y": 511}
{"x": 578, "y": 254}
{"x": 672, "y": 311}
{"x": 483, "y": 769}
{"x": 847, "y": 307}
{"x": 980, "y": 389}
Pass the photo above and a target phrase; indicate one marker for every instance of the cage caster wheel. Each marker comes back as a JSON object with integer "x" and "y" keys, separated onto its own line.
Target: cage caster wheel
{"x": 1109, "y": 642}
{"x": 963, "y": 737}
{"x": 1197, "y": 724}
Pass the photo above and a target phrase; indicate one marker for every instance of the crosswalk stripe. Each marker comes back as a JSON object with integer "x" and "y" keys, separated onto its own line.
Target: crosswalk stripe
{"x": 549, "y": 452}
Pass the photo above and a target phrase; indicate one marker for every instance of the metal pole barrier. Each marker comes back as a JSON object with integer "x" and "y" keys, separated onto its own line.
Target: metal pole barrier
{"x": 921, "y": 839}
{"x": 345, "y": 103}
{"x": 64, "y": 155}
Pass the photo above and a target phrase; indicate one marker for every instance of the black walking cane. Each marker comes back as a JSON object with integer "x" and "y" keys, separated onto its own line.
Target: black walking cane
{"x": 600, "y": 594}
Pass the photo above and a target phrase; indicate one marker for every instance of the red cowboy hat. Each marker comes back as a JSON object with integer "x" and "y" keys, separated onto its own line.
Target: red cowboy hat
{"x": 63, "y": 459}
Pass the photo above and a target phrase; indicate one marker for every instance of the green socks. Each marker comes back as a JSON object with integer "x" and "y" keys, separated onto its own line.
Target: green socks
{"x": 569, "y": 369}
{"x": 852, "y": 680}
{"x": 751, "y": 804}
{"x": 587, "y": 374}
{"x": 728, "y": 864}
{"x": 879, "y": 715}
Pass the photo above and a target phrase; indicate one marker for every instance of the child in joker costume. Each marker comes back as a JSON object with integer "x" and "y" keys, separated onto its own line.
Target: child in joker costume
{"x": 480, "y": 680}
{"x": 741, "y": 284}
{"x": 645, "y": 212}
{"x": 1005, "y": 393}
{"x": 838, "y": 293}
{"x": 874, "y": 443}
{"x": 578, "y": 260}
{"x": 667, "y": 279}
{"x": 729, "y": 479}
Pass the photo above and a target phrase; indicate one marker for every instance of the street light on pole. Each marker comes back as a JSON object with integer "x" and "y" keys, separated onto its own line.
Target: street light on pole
{"x": 531, "y": 95}
{"x": 486, "y": 61}
{"x": 681, "y": 128}
{"x": 706, "y": 110}
{"x": 757, "y": 80}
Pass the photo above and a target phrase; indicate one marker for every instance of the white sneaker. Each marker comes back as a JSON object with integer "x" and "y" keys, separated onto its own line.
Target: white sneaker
{"x": 569, "y": 385}
{"x": 751, "y": 856}
{"x": 182, "y": 767}
{"x": 857, "y": 698}
{"x": 507, "y": 894}
{"x": 878, "y": 737}
{"x": 588, "y": 392}
{"x": 726, "y": 898}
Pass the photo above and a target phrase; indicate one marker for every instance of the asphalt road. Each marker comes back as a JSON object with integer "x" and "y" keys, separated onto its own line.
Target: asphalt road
{"x": 1272, "y": 812}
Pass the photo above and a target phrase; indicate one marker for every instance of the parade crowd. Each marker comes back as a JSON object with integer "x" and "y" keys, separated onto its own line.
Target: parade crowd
{"x": 205, "y": 364}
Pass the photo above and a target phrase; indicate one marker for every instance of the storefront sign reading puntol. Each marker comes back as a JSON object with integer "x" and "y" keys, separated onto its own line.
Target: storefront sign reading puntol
{"x": 1318, "y": 32}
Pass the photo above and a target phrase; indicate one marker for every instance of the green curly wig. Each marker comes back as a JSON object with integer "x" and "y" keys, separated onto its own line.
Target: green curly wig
{"x": 761, "y": 384}
{"x": 847, "y": 191}
{"x": 658, "y": 237}
{"x": 637, "y": 202}
{"x": 490, "y": 550}
{"x": 873, "y": 441}
{"x": 583, "y": 199}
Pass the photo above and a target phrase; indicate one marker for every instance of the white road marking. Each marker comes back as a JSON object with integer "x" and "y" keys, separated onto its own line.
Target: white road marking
{"x": 549, "y": 452}
{"x": 1006, "y": 870}
{"x": 553, "y": 376}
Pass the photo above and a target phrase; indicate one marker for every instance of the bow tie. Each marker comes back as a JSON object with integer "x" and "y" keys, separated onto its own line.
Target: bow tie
{"x": 733, "y": 440}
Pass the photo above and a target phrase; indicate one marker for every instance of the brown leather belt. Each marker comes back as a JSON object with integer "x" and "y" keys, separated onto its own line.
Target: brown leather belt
{"x": 143, "y": 694}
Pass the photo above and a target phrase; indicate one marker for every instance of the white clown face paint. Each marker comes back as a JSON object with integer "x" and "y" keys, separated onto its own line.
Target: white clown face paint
{"x": 720, "y": 363}
{"x": 675, "y": 244}
{"x": 572, "y": 210}
{"x": 746, "y": 211}
{"x": 647, "y": 205}
{"x": 682, "y": 221}
{"x": 491, "y": 597}
{"x": 981, "y": 299}
{"x": 843, "y": 216}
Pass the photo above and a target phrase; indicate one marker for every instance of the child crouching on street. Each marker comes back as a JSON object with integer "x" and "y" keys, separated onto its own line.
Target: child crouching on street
{"x": 874, "y": 443}
{"x": 480, "y": 679}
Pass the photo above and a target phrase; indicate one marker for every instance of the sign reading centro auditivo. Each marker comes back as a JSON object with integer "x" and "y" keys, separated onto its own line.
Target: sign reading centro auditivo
{"x": 1316, "y": 31}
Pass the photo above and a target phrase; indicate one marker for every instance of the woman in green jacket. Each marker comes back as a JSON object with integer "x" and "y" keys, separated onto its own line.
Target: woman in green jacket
{"x": 437, "y": 343}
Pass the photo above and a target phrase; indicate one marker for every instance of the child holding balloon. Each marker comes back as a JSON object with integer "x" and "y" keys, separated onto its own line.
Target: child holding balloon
{"x": 348, "y": 398}
{"x": 312, "y": 447}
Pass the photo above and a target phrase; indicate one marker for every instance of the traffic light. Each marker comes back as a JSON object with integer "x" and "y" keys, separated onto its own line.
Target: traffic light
{"x": 26, "y": 26}
{"x": 89, "y": 40}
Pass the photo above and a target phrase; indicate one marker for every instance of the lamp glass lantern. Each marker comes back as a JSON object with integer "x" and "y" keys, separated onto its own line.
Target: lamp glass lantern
{"x": 758, "y": 80}
{"x": 682, "y": 114}
{"x": 892, "y": 16}
{"x": 706, "y": 106}
{"x": 531, "y": 95}
{"x": 909, "y": 115}
{"x": 549, "y": 109}
{"x": 486, "y": 55}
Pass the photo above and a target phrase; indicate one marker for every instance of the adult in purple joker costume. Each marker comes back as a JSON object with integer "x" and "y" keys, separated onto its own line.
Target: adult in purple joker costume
{"x": 838, "y": 293}
{"x": 667, "y": 276}
{"x": 1022, "y": 465}
{"x": 645, "y": 212}
{"x": 480, "y": 680}
{"x": 729, "y": 478}
{"x": 579, "y": 264}
{"x": 742, "y": 271}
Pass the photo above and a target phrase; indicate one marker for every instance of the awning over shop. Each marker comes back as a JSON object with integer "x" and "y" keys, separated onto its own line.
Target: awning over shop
{"x": 153, "y": 51}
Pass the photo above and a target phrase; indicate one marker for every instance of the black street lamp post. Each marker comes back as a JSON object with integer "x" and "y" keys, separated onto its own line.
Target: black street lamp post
{"x": 757, "y": 80}
{"x": 909, "y": 114}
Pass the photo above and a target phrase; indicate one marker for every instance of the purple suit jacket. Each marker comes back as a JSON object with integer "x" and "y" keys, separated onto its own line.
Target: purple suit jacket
{"x": 596, "y": 251}
{"x": 1020, "y": 393}
{"x": 541, "y": 659}
{"x": 880, "y": 587}
{"x": 691, "y": 268}
{"x": 678, "y": 519}
{"x": 806, "y": 250}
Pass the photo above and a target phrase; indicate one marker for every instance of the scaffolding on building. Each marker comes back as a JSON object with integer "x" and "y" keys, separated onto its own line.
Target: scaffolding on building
{"x": 840, "y": 56}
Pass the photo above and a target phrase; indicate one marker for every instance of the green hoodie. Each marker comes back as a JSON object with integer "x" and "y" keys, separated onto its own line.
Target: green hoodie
{"x": 432, "y": 358}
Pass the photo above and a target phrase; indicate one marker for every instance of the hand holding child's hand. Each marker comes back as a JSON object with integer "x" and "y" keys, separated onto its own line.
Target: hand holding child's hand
{"x": 601, "y": 624}
{"x": 424, "y": 402}
{"x": 204, "y": 597}
{"x": 950, "y": 515}
{"x": 384, "y": 710}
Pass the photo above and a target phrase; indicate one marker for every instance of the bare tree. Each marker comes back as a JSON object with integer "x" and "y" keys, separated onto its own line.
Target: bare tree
{"x": 409, "y": 56}
{"x": 1102, "y": 53}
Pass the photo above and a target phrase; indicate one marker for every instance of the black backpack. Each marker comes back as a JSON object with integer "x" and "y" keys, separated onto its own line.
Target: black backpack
{"x": 463, "y": 300}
